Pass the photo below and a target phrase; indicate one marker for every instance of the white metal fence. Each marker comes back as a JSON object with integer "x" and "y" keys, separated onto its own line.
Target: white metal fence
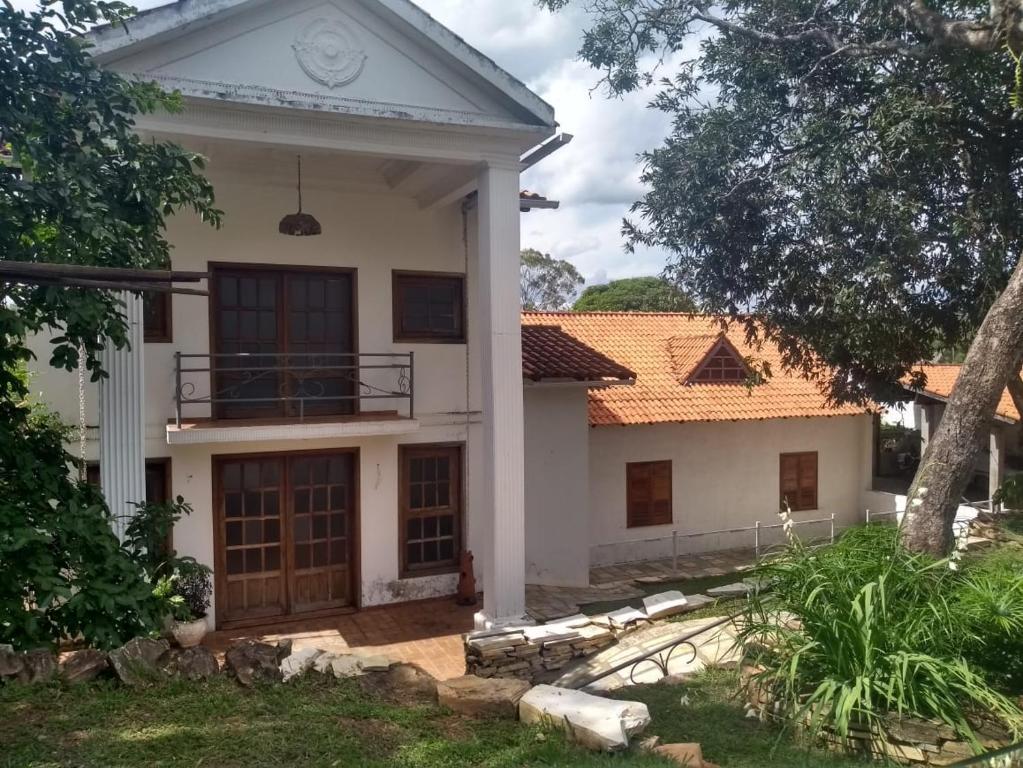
{"x": 757, "y": 537}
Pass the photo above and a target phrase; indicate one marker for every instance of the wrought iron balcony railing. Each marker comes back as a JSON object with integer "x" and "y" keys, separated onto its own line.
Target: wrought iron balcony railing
{"x": 290, "y": 385}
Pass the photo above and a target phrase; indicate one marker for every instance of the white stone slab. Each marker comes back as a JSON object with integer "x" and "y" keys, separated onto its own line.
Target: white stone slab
{"x": 299, "y": 662}
{"x": 591, "y": 721}
{"x": 738, "y": 589}
{"x": 621, "y": 618}
{"x": 665, "y": 604}
{"x": 571, "y": 622}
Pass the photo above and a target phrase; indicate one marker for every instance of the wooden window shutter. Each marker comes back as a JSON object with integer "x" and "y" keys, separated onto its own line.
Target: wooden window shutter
{"x": 798, "y": 483}
{"x": 648, "y": 493}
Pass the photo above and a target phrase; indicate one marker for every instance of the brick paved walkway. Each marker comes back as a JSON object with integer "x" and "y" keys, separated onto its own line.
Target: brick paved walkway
{"x": 427, "y": 633}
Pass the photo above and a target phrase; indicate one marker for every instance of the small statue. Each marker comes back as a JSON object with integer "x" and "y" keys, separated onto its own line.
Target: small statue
{"x": 466, "y": 581}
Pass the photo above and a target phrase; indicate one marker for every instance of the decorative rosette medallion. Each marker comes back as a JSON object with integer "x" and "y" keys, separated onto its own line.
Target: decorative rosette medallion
{"x": 329, "y": 52}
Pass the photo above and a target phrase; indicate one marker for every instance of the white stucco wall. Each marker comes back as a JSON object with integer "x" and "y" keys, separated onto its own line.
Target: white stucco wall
{"x": 557, "y": 486}
{"x": 374, "y": 234}
{"x": 724, "y": 475}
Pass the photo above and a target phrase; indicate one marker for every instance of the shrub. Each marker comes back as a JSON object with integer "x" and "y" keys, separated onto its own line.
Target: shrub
{"x": 988, "y": 608}
{"x": 181, "y": 584}
{"x": 849, "y": 633}
{"x": 63, "y": 572}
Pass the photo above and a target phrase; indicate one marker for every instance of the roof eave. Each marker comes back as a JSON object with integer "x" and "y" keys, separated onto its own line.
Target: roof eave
{"x": 944, "y": 399}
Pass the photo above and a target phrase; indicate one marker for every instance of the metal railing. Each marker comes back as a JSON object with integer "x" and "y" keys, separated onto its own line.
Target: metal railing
{"x": 248, "y": 384}
{"x": 756, "y": 531}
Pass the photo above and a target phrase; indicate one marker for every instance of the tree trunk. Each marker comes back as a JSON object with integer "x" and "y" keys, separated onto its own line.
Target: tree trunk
{"x": 948, "y": 462}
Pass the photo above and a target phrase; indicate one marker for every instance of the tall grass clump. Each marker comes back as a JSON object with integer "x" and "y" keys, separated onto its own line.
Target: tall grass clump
{"x": 848, "y": 634}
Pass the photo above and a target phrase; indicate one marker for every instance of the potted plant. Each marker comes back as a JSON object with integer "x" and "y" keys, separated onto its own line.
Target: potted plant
{"x": 190, "y": 599}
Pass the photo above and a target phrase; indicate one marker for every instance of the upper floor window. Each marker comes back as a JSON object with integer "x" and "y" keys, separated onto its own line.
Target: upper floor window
{"x": 156, "y": 317}
{"x": 429, "y": 307}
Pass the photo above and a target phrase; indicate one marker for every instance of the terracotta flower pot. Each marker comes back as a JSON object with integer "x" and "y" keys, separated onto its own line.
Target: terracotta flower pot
{"x": 189, "y": 633}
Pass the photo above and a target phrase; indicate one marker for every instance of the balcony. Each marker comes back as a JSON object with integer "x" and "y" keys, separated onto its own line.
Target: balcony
{"x": 270, "y": 396}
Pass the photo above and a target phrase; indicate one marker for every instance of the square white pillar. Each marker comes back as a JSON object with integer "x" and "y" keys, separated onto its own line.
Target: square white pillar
{"x": 122, "y": 447}
{"x": 504, "y": 578}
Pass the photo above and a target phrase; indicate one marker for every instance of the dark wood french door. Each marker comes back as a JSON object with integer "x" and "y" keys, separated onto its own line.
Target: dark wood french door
{"x": 285, "y": 534}
{"x": 296, "y": 329}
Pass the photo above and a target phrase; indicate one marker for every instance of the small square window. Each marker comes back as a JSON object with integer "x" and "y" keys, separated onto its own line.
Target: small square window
{"x": 429, "y": 307}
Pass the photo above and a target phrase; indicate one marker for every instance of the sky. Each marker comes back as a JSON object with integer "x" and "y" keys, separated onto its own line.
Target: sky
{"x": 596, "y": 177}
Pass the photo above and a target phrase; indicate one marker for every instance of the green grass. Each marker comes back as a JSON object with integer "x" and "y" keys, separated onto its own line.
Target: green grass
{"x": 320, "y": 722}
{"x": 716, "y": 719}
{"x": 310, "y": 723}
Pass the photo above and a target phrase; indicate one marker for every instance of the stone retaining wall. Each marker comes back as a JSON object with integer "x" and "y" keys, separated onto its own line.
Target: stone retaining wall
{"x": 904, "y": 740}
{"x": 532, "y": 653}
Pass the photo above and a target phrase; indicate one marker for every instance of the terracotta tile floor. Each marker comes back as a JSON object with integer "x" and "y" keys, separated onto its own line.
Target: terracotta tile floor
{"x": 427, "y": 633}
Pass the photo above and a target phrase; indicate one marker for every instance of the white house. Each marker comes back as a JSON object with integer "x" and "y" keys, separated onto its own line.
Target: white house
{"x": 344, "y": 411}
{"x": 684, "y": 446}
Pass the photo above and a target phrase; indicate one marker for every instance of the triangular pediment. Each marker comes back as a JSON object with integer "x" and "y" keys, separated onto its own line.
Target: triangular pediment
{"x": 381, "y": 58}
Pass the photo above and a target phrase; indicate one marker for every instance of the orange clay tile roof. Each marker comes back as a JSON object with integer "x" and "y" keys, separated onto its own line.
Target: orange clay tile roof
{"x": 657, "y": 346}
{"x": 941, "y": 379}
{"x": 550, "y": 353}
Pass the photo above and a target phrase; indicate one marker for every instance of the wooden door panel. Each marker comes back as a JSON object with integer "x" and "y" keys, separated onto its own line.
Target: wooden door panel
{"x": 322, "y": 500}
{"x": 250, "y": 516}
{"x": 286, "y": 530}
{"x": 247, "y": 318}
{"x": 320, "y": 333}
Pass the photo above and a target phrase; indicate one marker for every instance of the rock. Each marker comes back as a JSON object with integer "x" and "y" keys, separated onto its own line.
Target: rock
{"x": 338, "y": 665}
{"x": 665, "y": 604}
{"x": 11, "y": 663}
{"x": 375, "y": 663}
{"x": 482, "y": 697}
{"x": 591, "y": 721}
{"x": 137, "y": 661}
{"x": 911, "y": 730}
{"x": 737, "y": 589}
{"x": 39, "y": 666}
{"x": 283, "y": 649}
{"x": 695, "y": 602}
{"x": 83, "y": 666}
{"x": 649, "y": 744}
{"x": 688, "y": 754}
{"x": 195, "y": 663}
{"x": 402, "y": 684}
{"x": 298, "y": 663}
{"x": 251, "y": 660}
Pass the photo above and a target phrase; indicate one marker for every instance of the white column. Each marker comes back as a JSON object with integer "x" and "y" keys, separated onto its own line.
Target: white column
{"x": 996, "y": 460}
{"x": 122, "y": 453}
{"x": 504, "y": 579}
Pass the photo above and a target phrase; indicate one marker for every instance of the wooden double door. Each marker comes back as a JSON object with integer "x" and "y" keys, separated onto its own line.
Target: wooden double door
{"x": 284, "y": 341}
{"x": 286, "y": 534}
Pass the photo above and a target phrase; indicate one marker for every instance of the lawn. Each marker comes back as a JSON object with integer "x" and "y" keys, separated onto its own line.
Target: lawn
{"x": 321, "y": 722}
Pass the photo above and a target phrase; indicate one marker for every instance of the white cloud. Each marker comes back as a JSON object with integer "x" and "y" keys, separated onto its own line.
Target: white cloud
{"x": 596, "y": 177}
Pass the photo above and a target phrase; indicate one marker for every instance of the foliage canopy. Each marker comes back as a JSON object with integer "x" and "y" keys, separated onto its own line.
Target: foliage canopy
{"x": 546, "y": 283}
{"x": 77, "y": 185}
{"x": 634, "y": 294}
{"x": 848, "y": 173}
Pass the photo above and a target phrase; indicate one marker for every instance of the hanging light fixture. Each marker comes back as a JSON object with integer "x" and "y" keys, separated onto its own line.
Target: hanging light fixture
{"x": 299, "y": 224}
